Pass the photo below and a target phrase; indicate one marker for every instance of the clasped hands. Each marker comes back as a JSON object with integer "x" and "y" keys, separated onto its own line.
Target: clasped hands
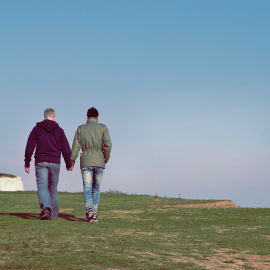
{"x": 70, "y": 169}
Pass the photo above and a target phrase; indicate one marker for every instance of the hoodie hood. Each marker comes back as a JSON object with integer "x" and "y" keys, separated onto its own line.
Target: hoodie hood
{"x": 48, "y": 125}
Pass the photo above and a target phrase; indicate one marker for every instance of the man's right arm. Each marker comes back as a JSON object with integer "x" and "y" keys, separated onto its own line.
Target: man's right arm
{"x": 30, "y": 147}
{"x": 75, "y": 146}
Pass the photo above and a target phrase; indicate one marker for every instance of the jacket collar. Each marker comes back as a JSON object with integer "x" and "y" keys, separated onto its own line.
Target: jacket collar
{"x": 92, "y": 119}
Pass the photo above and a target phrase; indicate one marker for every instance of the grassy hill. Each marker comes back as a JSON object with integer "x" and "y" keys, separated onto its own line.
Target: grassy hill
{"x": 7, "y": 175}
{"x": 133, "y": 232}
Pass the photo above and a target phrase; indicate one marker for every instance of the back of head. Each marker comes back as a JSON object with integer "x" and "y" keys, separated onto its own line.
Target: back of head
{"x": 49, "y": 113}
{"x": 92, "y": 112}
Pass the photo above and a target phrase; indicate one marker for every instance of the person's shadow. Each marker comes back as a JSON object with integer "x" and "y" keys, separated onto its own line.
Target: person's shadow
{"x": 35, "y": 216}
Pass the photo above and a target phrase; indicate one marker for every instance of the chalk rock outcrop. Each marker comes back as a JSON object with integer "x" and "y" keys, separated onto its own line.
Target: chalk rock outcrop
{"x": 11, "y": 184}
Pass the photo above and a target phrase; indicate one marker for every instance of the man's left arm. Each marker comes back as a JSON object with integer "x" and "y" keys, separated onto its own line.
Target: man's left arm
{"x": 106, "y": 145}
{"x": 29, "y": 150}
{"x": 75, "y": 146}
{"x": 65, "y": 149}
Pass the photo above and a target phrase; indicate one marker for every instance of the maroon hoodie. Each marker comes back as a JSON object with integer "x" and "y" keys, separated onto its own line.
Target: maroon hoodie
{"x": 50, "y": 141}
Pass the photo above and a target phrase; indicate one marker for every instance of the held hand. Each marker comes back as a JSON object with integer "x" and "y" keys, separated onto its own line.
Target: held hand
{"x": 27, "y": 169}
{"x": 70, "y": 169}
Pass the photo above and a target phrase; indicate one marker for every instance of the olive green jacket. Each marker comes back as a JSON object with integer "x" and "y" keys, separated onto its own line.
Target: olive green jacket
{"x": 94, "y": 140}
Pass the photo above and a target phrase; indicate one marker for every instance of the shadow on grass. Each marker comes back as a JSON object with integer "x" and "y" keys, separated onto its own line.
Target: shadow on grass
{"x": 35, "y": 216}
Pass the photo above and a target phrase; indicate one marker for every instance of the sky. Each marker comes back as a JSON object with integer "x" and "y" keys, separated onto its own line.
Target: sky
{"x": 183, "y": 87}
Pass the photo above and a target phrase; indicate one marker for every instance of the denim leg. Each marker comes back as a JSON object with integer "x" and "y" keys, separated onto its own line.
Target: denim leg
{"x": 91, "y": 186}
{"x": 54, "y": 170}
{"x": 87, "y": 176}
{"x": 42, "y": 174}
{"x": 97, "y": 177}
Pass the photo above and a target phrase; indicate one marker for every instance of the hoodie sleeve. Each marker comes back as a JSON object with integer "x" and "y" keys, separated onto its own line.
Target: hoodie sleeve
{"x": 30, "y": 147}
{"x": 65, "y": 149}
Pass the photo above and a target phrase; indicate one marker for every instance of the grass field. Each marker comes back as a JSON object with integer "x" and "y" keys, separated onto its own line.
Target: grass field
{"x": 7, "y": 175}
{"x": 133, "y": 232}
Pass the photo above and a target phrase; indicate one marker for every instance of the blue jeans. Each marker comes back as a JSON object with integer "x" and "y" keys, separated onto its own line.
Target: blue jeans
{"x": 47, "y": 176}
{"x": 91, "y": 186}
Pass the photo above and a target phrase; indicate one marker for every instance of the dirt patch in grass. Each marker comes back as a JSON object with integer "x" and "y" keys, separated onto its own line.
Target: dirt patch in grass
{"x": 128, "y": 232}
{"x": 254, "y": 228}
{"x": 63, "y": 210}
{"x": 130, "y": 215}
{"x": 146, "y": 233}
{"x": 146, "y": 253}
{"x": 222, "y": 204}
{"x": 127, "y": 212}
{"x": 220, "y": 229}
{"x": 222, "y": 260}
{"x": 240, "y": 260}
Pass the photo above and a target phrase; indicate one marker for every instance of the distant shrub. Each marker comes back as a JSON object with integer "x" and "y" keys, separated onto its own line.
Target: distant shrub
{"x": 7, "y": 175}
{"x": 110, "y": 191}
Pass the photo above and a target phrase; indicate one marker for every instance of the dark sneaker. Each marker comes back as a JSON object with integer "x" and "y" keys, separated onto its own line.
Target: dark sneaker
{"x": 45, "y": 214}
{"x": 94, "y": 219}
{"x": 89, "y": 215}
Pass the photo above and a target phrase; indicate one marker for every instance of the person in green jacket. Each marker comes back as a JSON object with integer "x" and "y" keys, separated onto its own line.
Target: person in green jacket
{"x": 94, "y": 140}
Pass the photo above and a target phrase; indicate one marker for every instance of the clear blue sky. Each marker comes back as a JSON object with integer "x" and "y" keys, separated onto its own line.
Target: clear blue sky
{"x": 183, "y": 87}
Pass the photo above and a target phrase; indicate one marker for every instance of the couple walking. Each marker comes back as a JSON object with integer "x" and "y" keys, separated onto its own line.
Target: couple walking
{"x": 50, "y": 141}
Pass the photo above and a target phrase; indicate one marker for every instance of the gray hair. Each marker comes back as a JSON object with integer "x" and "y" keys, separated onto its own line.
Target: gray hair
{"x": 49, "y": 112}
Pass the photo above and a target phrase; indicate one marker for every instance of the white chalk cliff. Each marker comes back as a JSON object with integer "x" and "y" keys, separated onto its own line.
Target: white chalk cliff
{"x": 11, "y": 184}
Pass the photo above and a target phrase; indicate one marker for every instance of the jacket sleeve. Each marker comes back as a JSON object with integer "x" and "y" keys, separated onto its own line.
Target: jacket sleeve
{"x": 106, "y": 145}
{"x": 65, "y": 149}
{"x": 75, "y": 146}
{"x": 30, "y": 147}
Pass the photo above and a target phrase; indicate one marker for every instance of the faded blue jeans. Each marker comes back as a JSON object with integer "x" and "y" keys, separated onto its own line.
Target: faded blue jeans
{"x": 91, "y": 186}
{"x": 47, "y": 176}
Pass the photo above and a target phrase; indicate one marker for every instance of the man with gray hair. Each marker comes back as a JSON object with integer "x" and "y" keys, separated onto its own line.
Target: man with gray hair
{"x": 50, "y": 141}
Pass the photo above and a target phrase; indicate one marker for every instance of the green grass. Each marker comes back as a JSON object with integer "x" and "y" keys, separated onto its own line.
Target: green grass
{"x": 7, "y": 175}
{"x": 133, "y": 232}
